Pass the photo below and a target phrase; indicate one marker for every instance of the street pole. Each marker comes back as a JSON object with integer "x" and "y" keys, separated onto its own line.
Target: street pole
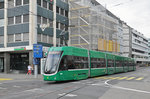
{"x": 35, "y": 71}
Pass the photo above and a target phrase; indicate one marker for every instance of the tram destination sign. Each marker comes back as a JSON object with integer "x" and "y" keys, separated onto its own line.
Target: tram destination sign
{"x": 37, "y": 51}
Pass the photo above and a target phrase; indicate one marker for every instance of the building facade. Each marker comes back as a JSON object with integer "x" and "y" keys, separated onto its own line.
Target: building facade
{"x": 27, "y": 22}
{"x": 127, "y": 40}
{"x": 149, "y": 46}
{"x": 140, "y": 47}
{"x": 96, "y": 28}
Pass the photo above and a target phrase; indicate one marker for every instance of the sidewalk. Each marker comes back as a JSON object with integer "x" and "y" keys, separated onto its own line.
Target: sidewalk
{"x": 21, "y": 76}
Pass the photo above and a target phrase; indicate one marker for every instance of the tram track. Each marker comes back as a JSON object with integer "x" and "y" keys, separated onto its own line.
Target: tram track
{"x": 65, "y": 88}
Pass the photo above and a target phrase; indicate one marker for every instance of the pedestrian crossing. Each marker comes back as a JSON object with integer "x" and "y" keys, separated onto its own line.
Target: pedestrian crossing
{"x": 3, "y": 79}
{"x": 121, "y": 78}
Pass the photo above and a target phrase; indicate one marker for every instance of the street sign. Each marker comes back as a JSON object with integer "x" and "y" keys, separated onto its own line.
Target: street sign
{"x": 36, "y": 61}
{"x": 37, "y": 51}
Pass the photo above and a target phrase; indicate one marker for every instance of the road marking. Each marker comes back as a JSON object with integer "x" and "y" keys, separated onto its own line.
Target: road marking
{"x": 76, "y": 82}
{"x": 140, "y": 78}
{"x": 130, "y": 78}
{"x": 2, "y": 88}
{"x": 34, "y": 90}
{"x": 5, "y": 79}
{"x": 122, "y": 78}
{"x": 116, "y": 78}
{"x": 123, "y": 88}
{"x": 68, "y": 95}
{"x": 16, "y": 86}
{"x": 102, "y": 78}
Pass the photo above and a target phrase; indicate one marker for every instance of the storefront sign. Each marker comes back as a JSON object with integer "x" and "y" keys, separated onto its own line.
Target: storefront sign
{"x": 19, "y": 49}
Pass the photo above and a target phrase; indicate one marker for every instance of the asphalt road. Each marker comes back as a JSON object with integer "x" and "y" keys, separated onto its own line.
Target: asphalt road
{"x": 130, "y": 85}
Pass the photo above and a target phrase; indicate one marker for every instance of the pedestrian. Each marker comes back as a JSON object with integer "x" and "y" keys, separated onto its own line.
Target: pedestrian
{"x": 32, "y": 69}
{"x": 29, "y": 69}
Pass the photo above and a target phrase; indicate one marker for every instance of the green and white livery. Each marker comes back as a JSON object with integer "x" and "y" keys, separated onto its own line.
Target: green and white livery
{"x": 72, "y": 63}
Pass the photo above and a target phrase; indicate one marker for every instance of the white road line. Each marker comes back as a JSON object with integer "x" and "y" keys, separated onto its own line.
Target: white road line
{"x": 2, "y": 88}
{"x": 76, "y": 82}
{"x": 33, "y": 90}
{"x": 68, "y": 95}
{"x": 123, "y": 88}
{"x": 16, "y": 86}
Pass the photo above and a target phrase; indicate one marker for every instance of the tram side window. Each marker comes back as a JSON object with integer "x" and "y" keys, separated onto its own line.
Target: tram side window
{"x": 63, "y": 64}
{"x": 66, "y": 63}
{"x": 121, "y": 64}
{"x": 103, "y": 63}
{"x": 117, "y": 63}
{"x": 132, "y": 63}
{"x": 80, "y": 62}
{"x": 126, "y": 63}
{"x": 110, "y": 63}
{"x": 97, "y": 63}
{"x": 93, "y": 63}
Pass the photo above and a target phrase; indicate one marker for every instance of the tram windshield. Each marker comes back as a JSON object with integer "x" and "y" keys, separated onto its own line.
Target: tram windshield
{"x": 52, "y": 62}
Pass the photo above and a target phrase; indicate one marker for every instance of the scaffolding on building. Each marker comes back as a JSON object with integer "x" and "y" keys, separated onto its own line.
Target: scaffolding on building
{"x": 94, "y": 29}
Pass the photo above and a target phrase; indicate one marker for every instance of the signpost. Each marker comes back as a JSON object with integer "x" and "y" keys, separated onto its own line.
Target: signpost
{"x": 37, "y": 54}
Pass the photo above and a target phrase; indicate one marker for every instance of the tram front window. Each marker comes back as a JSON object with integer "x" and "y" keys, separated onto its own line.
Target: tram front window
{"x": 52, "y": 62}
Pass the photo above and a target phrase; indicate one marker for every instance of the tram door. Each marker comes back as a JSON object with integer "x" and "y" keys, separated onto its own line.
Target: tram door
{"x": 1, "y": 64}
{"x": 110, "y": 65}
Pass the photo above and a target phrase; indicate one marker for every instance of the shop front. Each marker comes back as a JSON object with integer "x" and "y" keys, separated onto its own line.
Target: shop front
{"x": 19, "y": 62}
{"x": 1, "y": 64}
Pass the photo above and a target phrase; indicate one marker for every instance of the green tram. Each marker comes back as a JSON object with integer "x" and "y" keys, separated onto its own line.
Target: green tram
{"x": 72, "y": 63}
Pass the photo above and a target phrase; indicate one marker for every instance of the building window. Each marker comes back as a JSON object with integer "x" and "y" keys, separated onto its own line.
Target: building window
{"x": 57, "y": 25}
{"x": 61, "y": 26}
{"x": 50, "y": 23}
{"x": 1, "y": 39}
{"x": 18, "y": 19}
{"x": 39, "y": 2}
{"x": 50, "y": 6}
{"x": 39, "y": 19}
{"x": 1, "y": 22}
{"x": 25, "y": 36}
{"x": 44, "y": 20}
{"x": 44, "y": 4}
{"x": 10, "y": 20}
{"x": 58, "y": 41}
{"x": 26, "y": 18}
{"x": 17, "y": 37}
{"x": 62, "y": 11}
{"x": 10, "y": 3}
{"x": 66, "y": 13}
{"x": 44, "y": 38}
{"x": 39, "y": 38}
{"x": 25, "y": 1}
{"x": 57, "y": 10}
{"x": 66, "y": 28}
{"x": 10, "y": 38}
{"x": 1, "y": 5}
{"x": 50, "y": 40}
{"x": 18, "y": 2}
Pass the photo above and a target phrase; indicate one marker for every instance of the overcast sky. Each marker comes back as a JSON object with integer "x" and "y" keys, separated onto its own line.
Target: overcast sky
{"x": 136, "y": 13}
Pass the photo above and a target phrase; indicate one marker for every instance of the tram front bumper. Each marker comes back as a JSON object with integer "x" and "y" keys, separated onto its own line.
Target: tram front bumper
{"x": 50, "y": 78}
